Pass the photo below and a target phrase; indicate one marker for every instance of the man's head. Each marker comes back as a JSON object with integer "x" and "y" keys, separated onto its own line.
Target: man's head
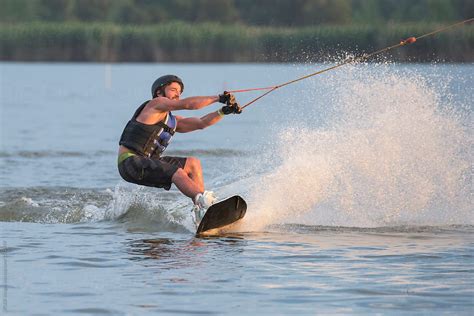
{"x": 169, "y": 86}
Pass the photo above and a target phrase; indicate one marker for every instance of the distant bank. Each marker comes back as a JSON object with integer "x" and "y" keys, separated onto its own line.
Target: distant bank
{"x": 182, "y": 42}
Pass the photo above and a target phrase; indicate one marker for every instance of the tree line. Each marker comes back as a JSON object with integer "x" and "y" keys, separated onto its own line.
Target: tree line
{"x": 284, "y": 13}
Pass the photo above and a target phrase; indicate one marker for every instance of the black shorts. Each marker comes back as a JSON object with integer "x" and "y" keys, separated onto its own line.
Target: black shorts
{"x": 150, "y": 172}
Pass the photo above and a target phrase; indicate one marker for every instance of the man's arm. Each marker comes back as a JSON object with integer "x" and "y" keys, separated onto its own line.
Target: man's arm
{"x": 163, "y": 104}
{"x": 194, "y": 123}
{"x": 190, "y": 124}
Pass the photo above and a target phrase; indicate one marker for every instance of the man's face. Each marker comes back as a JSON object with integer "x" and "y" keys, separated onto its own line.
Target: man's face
{"x": 173, "y": 91}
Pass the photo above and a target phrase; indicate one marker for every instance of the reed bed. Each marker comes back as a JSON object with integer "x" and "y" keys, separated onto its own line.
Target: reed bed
{"x": 208, "y": 42}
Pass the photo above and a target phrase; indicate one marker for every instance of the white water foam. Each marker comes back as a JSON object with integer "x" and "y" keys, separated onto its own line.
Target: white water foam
{"x": 143, "y": 208}
{"x": 394, "y": 151}
{"x": 29, "y": 201}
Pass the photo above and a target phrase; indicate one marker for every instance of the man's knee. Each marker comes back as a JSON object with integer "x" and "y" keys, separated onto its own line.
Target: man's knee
{"x": 179, "y": 174}
{"x": 192, "y": 163}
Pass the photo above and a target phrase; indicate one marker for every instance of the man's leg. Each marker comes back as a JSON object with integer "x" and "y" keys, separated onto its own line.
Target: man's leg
{"x": 185, "y": 184}
{"x": 190, "y": 182}
{"x": 194, "y": 170}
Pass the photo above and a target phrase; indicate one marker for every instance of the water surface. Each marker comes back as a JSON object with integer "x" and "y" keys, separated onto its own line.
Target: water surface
{"x": 358, "y": 184}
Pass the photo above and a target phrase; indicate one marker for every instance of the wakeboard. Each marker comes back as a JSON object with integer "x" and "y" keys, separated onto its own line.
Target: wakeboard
{"x": 222, "y": 213}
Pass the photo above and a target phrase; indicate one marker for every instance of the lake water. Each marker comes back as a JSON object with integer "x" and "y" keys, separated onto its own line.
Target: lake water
{"x": 358, "y": 181}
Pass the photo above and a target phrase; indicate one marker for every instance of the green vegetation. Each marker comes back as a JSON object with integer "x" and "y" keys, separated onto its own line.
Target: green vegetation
{"x": 286, "y": 13}
{"x": 229, "y": 30}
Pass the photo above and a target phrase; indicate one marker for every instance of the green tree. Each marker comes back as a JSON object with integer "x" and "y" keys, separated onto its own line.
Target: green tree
{"x": 315, "y": 12}
{"x": 366, "y": 11}
{"x": 293, "y": 13}
{"x": 19, "y": 10}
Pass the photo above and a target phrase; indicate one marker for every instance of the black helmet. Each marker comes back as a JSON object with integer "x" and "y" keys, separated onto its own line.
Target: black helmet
{"x": 165, "y": 80}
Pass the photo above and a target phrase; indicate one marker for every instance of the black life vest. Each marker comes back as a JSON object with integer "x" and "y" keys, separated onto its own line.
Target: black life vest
{"x": 148, "y": 140}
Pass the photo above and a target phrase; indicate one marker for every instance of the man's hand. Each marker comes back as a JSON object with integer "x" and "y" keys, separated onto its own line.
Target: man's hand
{"x": 233, "y": 108}
{"x": 227, "y": 98}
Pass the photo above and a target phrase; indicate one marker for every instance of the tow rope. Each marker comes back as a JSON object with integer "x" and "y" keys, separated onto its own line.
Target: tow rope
{"x": 409, "y": 40}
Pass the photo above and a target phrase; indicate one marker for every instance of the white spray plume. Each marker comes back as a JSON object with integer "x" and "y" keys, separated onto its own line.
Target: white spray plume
{"x": 392, "y": 153}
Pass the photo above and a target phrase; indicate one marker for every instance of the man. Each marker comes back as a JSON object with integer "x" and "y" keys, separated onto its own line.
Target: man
{"x": 149, "y": 132}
